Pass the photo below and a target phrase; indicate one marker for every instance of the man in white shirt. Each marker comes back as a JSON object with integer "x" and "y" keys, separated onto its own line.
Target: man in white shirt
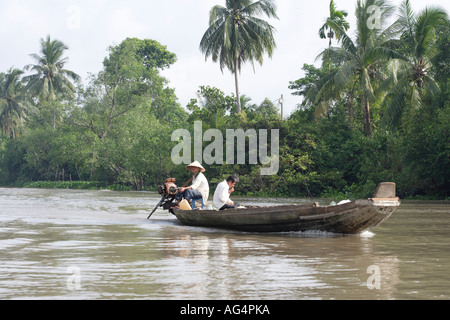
{"x": 222, "y": 199}
{"x": 199, "y": 188}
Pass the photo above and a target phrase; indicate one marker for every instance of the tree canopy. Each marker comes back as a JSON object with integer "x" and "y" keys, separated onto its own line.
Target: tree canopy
{"x": 236, "y": 35}
{"x": 376, "y": 108}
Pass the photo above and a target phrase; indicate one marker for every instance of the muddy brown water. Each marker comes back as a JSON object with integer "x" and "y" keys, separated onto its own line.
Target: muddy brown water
{"x": 76, "y": 244}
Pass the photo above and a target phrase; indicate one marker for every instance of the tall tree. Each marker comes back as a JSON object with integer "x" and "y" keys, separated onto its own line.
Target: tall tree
{"x": 362, "y": 59}
{"x": 13, "y": 102}
{"x": 333, "y": 27}
{"x": 49, "y": 78}
{"x": 151, "y": 53}
{"x": 129, "y": 79}
{"x": 411, "y": 79}
{"x": 212, "y": 107}
{"x": 236, "y": 35}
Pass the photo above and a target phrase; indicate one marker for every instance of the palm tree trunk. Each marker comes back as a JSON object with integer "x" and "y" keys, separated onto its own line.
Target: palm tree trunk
{"x": 366, "y": 116}
{"x": 350, "y": 109}
{"x": 236, "y": 80}
{"x": 329, "y": 59}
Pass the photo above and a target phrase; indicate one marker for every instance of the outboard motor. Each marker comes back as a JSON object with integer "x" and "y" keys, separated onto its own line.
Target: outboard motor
{"x": 169, "y": 188}
{"x": 168, "y": 191}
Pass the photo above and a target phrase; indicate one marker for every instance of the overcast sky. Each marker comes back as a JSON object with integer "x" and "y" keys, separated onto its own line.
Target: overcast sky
{"x": 89, "y": 27}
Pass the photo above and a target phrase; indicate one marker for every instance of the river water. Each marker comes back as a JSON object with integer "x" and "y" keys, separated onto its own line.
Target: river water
{"x": 73, "y": 244}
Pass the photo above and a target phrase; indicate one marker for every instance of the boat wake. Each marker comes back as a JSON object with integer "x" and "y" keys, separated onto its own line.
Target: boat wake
{"x": 367, "y": 234}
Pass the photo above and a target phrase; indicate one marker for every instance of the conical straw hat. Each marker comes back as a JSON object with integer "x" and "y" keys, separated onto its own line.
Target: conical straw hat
{"x": 197, "y": 165}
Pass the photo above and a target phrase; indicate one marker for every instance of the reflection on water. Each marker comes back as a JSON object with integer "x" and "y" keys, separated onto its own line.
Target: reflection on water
{"x": 66, "y": 244}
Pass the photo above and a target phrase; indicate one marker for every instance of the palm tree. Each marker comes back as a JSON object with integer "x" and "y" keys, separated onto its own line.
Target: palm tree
{"x": 362, "y": 60}
{"x": 13, "y": 102}
{"x": 50, "y": 79}
{"x": 410, "y": 79}
{"x": 333, "y": 26}
{"x": 236, "y": 35}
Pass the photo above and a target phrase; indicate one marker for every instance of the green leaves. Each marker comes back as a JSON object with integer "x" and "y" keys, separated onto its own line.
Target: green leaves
{"x": 49, "y": 77}
{"x": 411, "y": 80}
{"x": 335, "y": 24}
{"x": 129, "y": 80}
{"x": 399, "y": 75}
{"x": 116, "y": 131}
{"x": 147, "y": 53}
{"x": 14, "y": 104}
{"x": 130, "y": 112}
{"x": 236, "y": 35}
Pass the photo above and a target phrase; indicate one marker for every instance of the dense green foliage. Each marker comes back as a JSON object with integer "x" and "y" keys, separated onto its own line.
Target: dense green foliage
{"x": 376, "y": 109}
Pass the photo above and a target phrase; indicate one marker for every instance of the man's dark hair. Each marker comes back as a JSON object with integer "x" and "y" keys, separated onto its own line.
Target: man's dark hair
{"x": 233, "y": 179}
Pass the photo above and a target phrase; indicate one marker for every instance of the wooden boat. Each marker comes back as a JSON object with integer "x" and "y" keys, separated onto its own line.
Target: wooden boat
{"x": 348, "y": 218}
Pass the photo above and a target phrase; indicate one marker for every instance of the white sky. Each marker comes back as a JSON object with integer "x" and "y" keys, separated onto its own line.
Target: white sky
{"x": 89, "y": 27}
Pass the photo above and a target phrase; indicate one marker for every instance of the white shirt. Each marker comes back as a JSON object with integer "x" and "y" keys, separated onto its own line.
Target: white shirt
{"x": 201, "y": 184}
{"x": 221, "y": 195}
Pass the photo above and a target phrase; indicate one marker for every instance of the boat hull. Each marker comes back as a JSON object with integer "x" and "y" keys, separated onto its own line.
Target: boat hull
{"x": 349, "y": 218}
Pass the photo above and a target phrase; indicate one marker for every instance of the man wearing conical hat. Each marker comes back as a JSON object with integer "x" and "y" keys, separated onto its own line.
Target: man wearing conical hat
{"x": 199, "y": 187}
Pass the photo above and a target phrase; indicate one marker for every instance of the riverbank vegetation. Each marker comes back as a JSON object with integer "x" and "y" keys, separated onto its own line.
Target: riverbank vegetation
{"x": 376, "y": 108}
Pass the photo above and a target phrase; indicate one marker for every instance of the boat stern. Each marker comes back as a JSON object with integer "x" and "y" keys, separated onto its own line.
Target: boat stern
{"x": 385, "y": 195}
